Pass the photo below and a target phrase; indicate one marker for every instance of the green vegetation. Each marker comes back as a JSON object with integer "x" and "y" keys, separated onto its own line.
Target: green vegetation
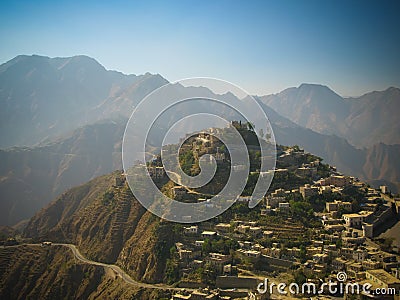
{"x": 302, "y": 210}
{"x": 108, "y": 197}
{"x": 224, "y": 246}
{"x": 167, "y": 234}
{"x": 207, "y": 274}
{"x": 186, "y": 160}
{"x": 172, "y": 267}
{"x": 299, "y": 277}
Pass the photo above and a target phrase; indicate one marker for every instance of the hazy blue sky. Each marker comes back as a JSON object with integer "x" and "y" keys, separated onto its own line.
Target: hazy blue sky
{"x": 263, "y": 46}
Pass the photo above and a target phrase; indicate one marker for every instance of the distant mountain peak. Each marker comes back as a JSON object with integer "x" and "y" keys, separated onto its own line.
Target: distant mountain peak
{"x": 312, "y": 85}
{"x": 54, "y": 95}
{"x": 318, "y": 88}
{"x": 33, "y": 56}
{"x": 392, "y": 88}
{"x": 390, "y": 91}
{"x": 312, "y": 91}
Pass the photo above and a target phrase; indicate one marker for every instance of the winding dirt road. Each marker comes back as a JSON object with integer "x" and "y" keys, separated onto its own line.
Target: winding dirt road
{"x": 117, "y": 270}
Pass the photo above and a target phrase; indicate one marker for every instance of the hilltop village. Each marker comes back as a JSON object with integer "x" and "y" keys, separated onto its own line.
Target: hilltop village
{"x": 313, "y": 223}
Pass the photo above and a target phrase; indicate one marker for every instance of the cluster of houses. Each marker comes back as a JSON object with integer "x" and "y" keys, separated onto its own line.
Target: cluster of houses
{"x": 216, "y": 294}
{"x": 344, "y": 243}
{"x": 199, "y": 294}
{"x": 191, "y": 255}
{"x": 246, "y": 233}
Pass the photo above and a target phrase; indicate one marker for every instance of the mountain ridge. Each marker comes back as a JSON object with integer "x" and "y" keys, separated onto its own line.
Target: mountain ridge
{"x": 67, "y": 161}
{"x": 31, "y": 177}
{"x": 363, "y": 121}
{"x": 75, "y": 160}
{"x": 44, "y": 97}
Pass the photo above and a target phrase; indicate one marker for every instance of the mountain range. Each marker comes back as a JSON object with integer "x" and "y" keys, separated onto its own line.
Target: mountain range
{"x": 44, "y": 97}
{"x": 31, "y": 177}
{"x": 62, "y": 122}
{"x": 363, "y": 121}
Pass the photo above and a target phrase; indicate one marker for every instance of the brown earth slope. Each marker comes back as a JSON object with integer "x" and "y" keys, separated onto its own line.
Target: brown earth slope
{"x": 34, "y": 272}
{"x": 108, "y": 225}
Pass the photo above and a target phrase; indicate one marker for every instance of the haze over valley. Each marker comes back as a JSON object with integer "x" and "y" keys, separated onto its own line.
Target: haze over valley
{"x": 45, "y": 153}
